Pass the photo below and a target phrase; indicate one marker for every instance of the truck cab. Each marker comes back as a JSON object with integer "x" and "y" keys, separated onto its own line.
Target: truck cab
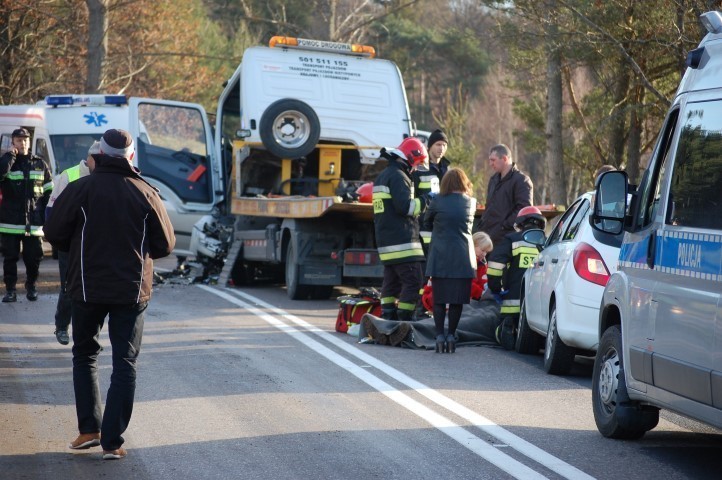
{"x": 661, "y": 312}
{"x": 173, "y": 146}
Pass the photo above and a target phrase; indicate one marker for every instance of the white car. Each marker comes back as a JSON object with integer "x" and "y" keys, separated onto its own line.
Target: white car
{"x": 563, "y": 290}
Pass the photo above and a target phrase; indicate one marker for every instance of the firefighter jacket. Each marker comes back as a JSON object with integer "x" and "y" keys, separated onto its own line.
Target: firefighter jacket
{"x": 112, "y": 224}
{"x": 395, "y": 212}
{"x": 26, "y": 183}
{"x": 504, "y": 198}
{"x": 61, "y": 181}
{"x": 425, "y": 180}
{"x": 507, "y": 264}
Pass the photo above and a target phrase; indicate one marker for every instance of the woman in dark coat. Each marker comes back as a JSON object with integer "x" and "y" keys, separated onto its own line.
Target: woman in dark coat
{"x": 452, "y": 261}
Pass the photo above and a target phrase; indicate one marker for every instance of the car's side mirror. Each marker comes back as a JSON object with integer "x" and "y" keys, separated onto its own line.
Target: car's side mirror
{"x": 535, "y": 236}
{"x": 610, "y": 202}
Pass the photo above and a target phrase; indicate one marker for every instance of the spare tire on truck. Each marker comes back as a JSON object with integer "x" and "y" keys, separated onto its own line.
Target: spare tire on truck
{"x": 290, "y": 128}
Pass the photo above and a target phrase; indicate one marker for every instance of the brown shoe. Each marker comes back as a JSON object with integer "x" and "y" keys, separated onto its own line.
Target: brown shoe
{"x": 85, "y": 440}
{"x": 116, "y": 454}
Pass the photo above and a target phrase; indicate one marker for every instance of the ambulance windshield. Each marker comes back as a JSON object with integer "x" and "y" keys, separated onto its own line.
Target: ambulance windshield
{"x": 69, "y": 150}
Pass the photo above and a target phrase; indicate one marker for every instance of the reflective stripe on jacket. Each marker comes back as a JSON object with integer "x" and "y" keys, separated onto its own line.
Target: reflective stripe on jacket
{"x": 395, "y": 212}
{"x": 26, "y": 183}
{"x": 506, "y": 266}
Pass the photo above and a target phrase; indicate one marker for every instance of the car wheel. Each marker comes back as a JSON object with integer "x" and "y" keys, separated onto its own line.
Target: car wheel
{"x": 289, "y": 128}
{"x": 615, "y": 414}
{"x": 527, "y": 340}
{"x": 558, "y": 358}
{"x": 294, "y": 289}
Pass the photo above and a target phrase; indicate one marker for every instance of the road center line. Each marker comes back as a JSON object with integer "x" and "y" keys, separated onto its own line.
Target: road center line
{"x": 443, "y": 424}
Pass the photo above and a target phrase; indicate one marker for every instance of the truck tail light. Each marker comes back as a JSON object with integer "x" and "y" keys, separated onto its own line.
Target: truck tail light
{"x": 589, "y": 265}
{"x": 361, "y": 258}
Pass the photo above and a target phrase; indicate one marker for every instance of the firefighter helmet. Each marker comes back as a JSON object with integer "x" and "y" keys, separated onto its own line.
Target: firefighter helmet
{"x": 529, "y": 217}
{"x": 365, "y": 192}
{"x": 414, "y": 150}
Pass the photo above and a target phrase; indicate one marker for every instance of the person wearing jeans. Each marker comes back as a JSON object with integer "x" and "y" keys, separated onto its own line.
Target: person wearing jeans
{"x": 112, "y": 224}
{"x": 63, "y": 308}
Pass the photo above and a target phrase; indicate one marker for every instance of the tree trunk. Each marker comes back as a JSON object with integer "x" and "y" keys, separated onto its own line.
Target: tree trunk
{"x": 555, "y": 174}
{"x": 97, "y": 44}
{"x": 634, "y": 146}
{"x": 618, "y": 135}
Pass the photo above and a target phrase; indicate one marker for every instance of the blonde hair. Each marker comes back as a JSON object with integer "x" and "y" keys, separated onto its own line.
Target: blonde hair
{"x": 455, "y": 180}
{"x": 483, "y": 241}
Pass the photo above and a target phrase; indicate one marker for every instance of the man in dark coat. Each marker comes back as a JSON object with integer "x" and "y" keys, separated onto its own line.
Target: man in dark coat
{"x": 112, "y": 224}
{"x": 509, "y": 191}
{"x": 26, "y": 183}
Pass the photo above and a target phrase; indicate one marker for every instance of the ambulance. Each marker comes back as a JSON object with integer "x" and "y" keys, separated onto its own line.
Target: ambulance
{"x": 173, "y": 145}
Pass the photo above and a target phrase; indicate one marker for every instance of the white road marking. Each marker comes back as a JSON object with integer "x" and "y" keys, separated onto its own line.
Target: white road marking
{"x": 467, "y": 439}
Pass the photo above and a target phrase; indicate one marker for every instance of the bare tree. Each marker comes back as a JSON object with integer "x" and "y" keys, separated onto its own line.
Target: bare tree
{"x": 556, "y": 179}
{"x": 97, "y": 44}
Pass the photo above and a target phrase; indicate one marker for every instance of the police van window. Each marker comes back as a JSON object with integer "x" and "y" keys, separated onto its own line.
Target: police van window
{"x": 650, "y": 187}
{"x": 561, "y": 225}
{"x": 172, "y": 149}
{"x": 576, "y": 221}
{"x": 695, "y": 198}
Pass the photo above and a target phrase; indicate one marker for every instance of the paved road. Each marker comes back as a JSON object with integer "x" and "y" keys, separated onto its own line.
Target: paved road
{"x": 248, "y": 384}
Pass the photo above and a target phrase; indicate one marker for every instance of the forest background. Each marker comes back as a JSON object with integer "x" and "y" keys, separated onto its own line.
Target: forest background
{"x": 569, "y": 85}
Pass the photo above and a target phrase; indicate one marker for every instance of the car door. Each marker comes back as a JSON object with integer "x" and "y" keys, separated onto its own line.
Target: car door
{"x": 545, "y": 268}
{"x": 174, "y": 148}
{"x": 687, "y": 292}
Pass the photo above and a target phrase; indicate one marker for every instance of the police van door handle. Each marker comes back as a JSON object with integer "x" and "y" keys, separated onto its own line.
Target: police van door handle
{"x": 540, "y": 263}
{"x": 555, "y": 260}
{"x": 651, "y": 248}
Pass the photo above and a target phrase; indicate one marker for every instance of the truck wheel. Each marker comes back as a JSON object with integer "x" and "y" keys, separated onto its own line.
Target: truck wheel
{"x": 289, "y": 128}
{"x": 295, "y": 290}
{"x": 558, "y": 358}
{"x": 527, "y": 341}
{"x": 615, "y": 414}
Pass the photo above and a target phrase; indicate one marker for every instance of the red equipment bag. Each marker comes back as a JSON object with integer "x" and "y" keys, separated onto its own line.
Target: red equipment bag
{"x": 352, "y": 307}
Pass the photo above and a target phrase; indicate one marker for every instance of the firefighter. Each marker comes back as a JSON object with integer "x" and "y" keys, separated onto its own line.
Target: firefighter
{"x": 26, "y": 183}
{"x": 397, "y": 229}
{"x": 507, "y": 264}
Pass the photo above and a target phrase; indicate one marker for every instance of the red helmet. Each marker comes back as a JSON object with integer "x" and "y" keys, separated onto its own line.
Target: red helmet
{"x": 529, "y": 217}
{"x": 366, "y": 192}
{"x": 414, "y": 150}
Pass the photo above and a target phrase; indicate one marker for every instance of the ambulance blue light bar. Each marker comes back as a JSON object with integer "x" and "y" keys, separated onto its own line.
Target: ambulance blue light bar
{"x": 57, "y": 100}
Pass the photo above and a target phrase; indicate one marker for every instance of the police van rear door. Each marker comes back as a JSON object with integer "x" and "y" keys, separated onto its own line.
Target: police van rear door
{"x": 174, "y": 148}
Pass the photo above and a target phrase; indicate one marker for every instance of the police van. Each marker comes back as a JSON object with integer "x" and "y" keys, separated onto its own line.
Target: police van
{"x": 661, "y": 313}
{"x": 173, "y": 145}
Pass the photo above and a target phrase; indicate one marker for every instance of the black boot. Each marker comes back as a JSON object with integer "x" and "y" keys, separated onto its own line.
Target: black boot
{"x": 451, "y": 343}
{"x": 441, "y": 344}
{"x": 31, "y": 291}
{"x": 389, "y": 313}
{"x": 405, "y": 315}
{"x": 10, "y": 296}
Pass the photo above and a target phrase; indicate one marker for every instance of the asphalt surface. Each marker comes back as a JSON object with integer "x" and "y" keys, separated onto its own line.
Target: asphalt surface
{"x": 244, "y": 383}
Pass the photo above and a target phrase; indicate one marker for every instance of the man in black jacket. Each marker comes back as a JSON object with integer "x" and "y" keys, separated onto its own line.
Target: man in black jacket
{"x": 509, "y": 191}
{"x": 26, "y": 183}
{"x": 112, "y": 224}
